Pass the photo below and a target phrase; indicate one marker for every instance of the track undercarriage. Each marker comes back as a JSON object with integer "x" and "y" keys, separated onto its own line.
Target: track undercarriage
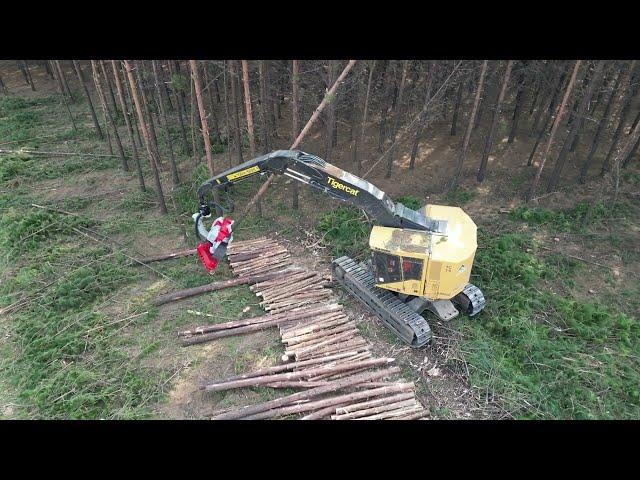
{"x": 402, "y": 313}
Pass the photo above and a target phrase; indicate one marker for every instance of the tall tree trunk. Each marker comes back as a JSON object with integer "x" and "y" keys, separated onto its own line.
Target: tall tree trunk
{"x": 145, "y": 105}
{"x": 331, "y": 111}
{"x": 554, "y": 129}
{"x": 133, "y": 108}
{"x": 467, "y": 136}
{"x": 602, "y": 125}
{"x": 423, "y": 117}
{"x": 127, "y": 121}
{"x": 548, "y": 118}
{"x": 107, "y": 79}
{"x": 357, "y": 119}
{"x": 236, "y": 110}
{"x": 539, "y": 88}
{"x": 264, "y": 113}
{"x": 108, "y": 114}
{"x": 3, "y": 87}
{"x": 626, "y": 103}
{"x": 269, "y": 99}
{"x": 366, "y": 100}
{"x": 396, "y": 120}
{"x": 63, "y": 79}
{"x": 247, "y": 106}
{"x": 295, "y": 127}
{"x": 94, "y": 117}
{"x": 577, "y": 125}
{"x": 63, "y": 99}
{"x": 494, "y": 123}
{"x": 226, "y": 113}
{"x": 518, "y": 107}
{"x": 163, "y": 116}
{"x": 212, "y": 110}
{"x": 195, "y": 149}
{"x": 203, "y": 115}
{"x": 592, "y": 87}
{"x": 180, "y": 108}
{"x": 387, "y": 86}
{"x": 27, "y": 73}
{"x": 553, "y": 91}
{"x": 456, "y": 109}
{"x": 147, "y": 139}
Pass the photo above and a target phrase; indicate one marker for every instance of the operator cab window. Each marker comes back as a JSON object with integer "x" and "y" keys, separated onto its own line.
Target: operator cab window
{"x": 387, "y": 268}
{"x": 412, "y": 269}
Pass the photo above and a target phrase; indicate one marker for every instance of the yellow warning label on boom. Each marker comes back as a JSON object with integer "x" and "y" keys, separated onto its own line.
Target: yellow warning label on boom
{"x": 243, "y": 173}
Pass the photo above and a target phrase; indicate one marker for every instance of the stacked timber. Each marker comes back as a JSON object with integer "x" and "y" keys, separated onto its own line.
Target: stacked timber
{"x": 325, "y": 356}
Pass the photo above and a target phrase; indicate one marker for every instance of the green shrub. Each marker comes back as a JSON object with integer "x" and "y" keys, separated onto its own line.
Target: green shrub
{"x": 346, "y": 231}
{"x": 409, "y": 201}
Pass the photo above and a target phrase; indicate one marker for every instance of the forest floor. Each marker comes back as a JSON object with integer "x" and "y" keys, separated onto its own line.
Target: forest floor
{"x": 79, "y": 338}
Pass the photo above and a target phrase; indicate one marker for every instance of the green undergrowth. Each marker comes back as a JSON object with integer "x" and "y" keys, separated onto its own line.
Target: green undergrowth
{"x": 67, "y": 357}
{"x": 459, "y": 197}
{"x": 542, "y": 355}
{"x": 575, "y": 219}
{"x": 410, "y": 201}
{"x": 346, "y": 231}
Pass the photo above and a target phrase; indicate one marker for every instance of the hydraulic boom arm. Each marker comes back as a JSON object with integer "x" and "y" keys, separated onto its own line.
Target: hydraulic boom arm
{"x": 333, "y": 181}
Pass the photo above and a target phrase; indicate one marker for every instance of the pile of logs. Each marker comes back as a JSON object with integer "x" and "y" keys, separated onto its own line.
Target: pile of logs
{"x": 325, "y": 357}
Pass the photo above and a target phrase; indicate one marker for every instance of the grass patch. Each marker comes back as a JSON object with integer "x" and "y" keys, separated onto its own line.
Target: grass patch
{"x": 542, "y": 356}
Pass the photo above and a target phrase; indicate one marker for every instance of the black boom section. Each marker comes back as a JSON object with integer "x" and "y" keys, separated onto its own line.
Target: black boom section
{"x": 328, "y": 178}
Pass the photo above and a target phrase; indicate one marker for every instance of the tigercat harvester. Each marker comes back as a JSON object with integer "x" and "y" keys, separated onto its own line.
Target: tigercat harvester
{"x": 420, "y": 260}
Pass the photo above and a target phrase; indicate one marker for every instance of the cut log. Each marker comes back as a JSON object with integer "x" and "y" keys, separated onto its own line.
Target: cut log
{"x": 393, "y": 413}
{"x": 355, "y": 407}
{"x": 275, "y": 320}
{"x": 307, "y": 394}
{"x": 283, "y": 377}
{"x": 331, "y": 402}
{"x": 211, "y": 287}
{"x": 169, "y": 256}
{"x": 376, "y": 410}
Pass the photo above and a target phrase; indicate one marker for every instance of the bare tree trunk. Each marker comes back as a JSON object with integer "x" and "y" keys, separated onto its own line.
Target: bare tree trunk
{"x": 548, "y": 118}
{"x": 163, "y": 117}
{"x": 552, "y": 92}
{"x": 108, "y": 114}
{"x": 331, "y": 111}
{"x": 295, "y": 79}
{"x": 127, "y": 121}
{"x": 63, "y": 79}
{"x": 518, "y": 107}
{"x": 597, "y": 77}
{"x": 467, "y": 135}
{"x": 212, "y": 110}
{"x": 554, "y": 129}
{"x": 27, "y": 73}
{"x": 145, "y": 105}
{"x": 226, "y": 114}
{"x": 456, "y": 109}
{"x": 366, "y": 100}
{"x": 385, "y": 105}
{"x": 602, "y": 125}
{"x": 235, "y": 106}
{"x": 203, "y": 115}
{"x": 107, "y": 79}
{"x": 195, "y": 149}
{"x": 577, "y": 124}
{"x": 626, "y": 103}
{"x": 264, "y": 114}
{"x": 147, "y": 140}
{"x": 63, "y": 99}
{"x": 396, "y": 120}
{"x": 247, "y": 105}
{"x": 180, "y": 108}
{"x": 3, "y": 87}
{"x": 86, "y": 92}
{"x": 422, "y": 123}
{"x": 494, "y": 123}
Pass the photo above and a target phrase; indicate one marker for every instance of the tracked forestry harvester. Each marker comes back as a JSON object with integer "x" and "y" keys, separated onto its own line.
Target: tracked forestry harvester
{"x": 420, "y": 260}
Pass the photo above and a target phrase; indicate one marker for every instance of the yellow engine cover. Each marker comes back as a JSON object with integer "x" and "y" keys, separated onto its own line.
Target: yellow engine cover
{"x": 447, "y": 257}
